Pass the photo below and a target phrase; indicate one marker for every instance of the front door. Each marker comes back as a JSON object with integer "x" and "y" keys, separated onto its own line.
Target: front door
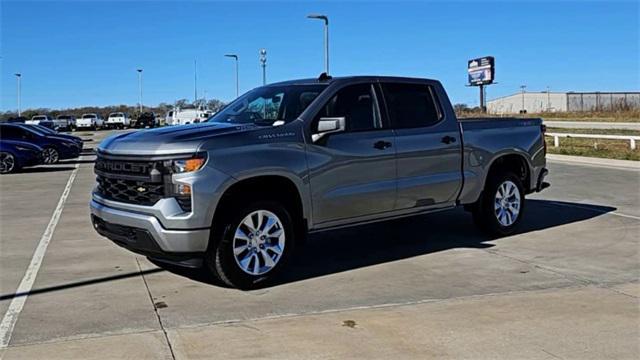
{"x": 353, "y": 173}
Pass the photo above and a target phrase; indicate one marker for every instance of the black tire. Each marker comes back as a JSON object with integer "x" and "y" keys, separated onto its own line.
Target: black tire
{"x": 484, "y": 212}
{"x": 220, "y": 258}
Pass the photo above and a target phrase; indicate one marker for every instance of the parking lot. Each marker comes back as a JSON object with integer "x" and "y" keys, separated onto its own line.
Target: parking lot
{"x": 565, "y": 287}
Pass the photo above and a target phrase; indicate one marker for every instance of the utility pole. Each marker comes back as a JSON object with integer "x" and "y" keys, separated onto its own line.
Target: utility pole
{"x": 263, "y": 62}
{"x": 234, "y": 56}
{"x": 326, "y": 38}
{"x": 523, "y": 87}
{"x": 140, "y": 89}
{"x": 483, "y": 108}
{"x": 19, "y": 90}
{"x": 195, "y": 81}
{"x": 548, "y": 99}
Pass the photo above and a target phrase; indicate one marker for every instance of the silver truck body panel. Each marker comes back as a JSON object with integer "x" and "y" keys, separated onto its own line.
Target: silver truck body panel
{"x": 342, "y": 181}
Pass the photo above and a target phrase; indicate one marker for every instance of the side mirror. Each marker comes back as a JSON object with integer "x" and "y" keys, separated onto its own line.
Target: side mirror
{"x": 328, "y": 125}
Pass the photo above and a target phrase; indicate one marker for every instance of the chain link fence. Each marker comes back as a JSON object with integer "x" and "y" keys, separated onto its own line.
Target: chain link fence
{"x": 603, "y": 101}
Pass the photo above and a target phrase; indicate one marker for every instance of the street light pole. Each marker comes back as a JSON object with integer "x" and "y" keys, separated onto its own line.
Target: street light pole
{"x": 263, "y": 62}
{"x": 19, "y": 90}
{"x": 548, "y": 100}
{"x": 234, "y": 56}
{"x": 523, "y": 87}
{"x": 326, "y": 38}
{"x": 195, "y": 81}
{"x": 140, "y": 89}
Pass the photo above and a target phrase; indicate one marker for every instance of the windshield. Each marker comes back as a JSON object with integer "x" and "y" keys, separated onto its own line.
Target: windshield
{"x": 43, "y": 129}
{"x": 90, "y": 116}
{"x": 116, "y": 115}
{"x": 39, "y": 117}
{"x": 32, "y": 129}
{"x": 268, "y": 104}
{"x": 64, "y": 117}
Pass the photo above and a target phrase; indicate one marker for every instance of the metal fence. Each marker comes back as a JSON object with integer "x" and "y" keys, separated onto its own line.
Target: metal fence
{"x": 603, "y": 101}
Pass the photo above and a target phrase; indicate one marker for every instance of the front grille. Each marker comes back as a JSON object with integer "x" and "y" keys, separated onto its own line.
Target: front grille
{"x": 130, "y": 191}
{"x": 136, "y": 181}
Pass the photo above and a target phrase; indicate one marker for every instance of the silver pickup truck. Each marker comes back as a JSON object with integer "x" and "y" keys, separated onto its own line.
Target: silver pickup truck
{"x": 237, "y": 192}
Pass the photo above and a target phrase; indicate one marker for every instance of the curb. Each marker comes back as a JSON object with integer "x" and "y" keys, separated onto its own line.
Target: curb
{"x": 599, "y": 162}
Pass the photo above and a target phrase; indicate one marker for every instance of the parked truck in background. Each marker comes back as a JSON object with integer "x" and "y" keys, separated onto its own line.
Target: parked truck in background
{"x": 67, "y": 121}
{"x": 238, "y": 192}
{"x": 187, "y": 115}
{"x": 118, "y": 120}
{"x": 90, "y": 121}
{"x": 36, "y": 119}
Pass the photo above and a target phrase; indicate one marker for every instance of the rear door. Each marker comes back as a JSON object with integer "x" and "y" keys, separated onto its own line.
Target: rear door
{"x": 352, "y": 173}
{"x": 428, "y": 146}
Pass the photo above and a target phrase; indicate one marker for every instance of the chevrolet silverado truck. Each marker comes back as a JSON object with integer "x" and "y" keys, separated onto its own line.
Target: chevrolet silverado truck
{"x": 238, "y": 192}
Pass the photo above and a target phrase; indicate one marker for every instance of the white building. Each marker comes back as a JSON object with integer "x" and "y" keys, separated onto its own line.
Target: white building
{"x": 537, "y": 102}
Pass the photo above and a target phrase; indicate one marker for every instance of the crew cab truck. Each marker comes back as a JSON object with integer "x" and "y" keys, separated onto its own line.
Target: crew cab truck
{"x": 238, "y": 192}
{"x": 90, "y": 121}
{"x": 118, "y": 120}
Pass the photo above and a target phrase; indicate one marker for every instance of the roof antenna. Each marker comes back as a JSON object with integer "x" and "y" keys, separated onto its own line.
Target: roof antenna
{"x": 324, "y": 77}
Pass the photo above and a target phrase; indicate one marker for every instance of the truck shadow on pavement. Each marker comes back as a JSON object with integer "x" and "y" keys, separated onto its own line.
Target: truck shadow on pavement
{"x": 348, "y": 249}
{"x": 343, "y": 250}
{"x": 45, "y": 168}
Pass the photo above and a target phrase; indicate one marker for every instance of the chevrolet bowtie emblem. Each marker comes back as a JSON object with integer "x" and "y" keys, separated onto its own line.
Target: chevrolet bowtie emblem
{"x": 141, "y": 189}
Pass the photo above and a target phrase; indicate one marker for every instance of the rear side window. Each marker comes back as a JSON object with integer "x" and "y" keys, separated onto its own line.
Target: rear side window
{"x": 12, "y": 133}
{"x": 411, "y": 105}
{"x": 358, "y": 105}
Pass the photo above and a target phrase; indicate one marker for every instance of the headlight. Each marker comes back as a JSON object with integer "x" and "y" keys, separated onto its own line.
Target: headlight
{"x": 189, "y": 165}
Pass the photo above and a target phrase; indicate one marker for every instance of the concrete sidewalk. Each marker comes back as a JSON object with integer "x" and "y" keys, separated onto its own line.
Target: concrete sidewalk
{"x": 584, "y": 322}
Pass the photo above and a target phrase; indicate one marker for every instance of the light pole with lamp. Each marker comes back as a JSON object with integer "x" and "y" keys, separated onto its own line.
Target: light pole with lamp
{"x": 18, "y": 84}
{"x": 139, "y": 89}
{"x": 263, "y": 63}
{"x": 523, "y": 87}
{"x": 234, "y": 56}
{"x": 326, "y": 38}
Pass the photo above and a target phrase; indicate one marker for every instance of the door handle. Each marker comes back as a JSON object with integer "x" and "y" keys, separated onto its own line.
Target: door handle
{"x": 381, "y": 145}
{"x": 448, "y": 139}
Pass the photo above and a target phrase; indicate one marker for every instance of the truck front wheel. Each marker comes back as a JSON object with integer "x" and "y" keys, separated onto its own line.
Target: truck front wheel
{"x": 252, "y": 245}
{"x": 501, "y": 206}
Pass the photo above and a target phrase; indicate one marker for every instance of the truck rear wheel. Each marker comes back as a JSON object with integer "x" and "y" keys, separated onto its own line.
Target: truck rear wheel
{"x": 251, "y": 245}
{"x": 501, "y": 206}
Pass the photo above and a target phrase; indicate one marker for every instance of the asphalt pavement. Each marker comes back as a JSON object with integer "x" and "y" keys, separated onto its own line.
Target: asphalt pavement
{"x": 566, "y": 286}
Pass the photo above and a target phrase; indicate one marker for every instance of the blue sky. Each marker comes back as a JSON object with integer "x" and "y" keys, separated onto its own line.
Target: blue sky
{"x": 86, "y": 52}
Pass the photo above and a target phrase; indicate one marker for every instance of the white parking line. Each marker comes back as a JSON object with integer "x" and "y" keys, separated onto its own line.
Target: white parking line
{"x": 17, "y": 303}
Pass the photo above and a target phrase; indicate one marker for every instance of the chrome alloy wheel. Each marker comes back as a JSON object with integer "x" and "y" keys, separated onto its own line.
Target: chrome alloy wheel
{"x": 258, "y": 242}
{"x": 7, "y": 163}
{"x": 50, "y": 156}
{"x": 507, "y": 203}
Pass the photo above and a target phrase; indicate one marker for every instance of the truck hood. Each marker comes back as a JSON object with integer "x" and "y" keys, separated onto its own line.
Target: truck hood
{"x": 168, "y": 140}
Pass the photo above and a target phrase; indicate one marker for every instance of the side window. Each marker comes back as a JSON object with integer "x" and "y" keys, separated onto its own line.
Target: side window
{"x": 358, "y": 105}
{"x": 411, "y": 105}
{"x": 11, "y": 133}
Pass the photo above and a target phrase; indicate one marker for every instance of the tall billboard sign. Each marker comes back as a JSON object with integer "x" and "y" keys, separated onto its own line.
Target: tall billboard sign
{"x": 481, "y": 71}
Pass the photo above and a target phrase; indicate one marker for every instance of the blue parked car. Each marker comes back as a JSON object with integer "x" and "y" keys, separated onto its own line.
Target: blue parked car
{"x": 48, "y": 131}
{"x": 15, "y": 155}
{"x": 54, "y": 146}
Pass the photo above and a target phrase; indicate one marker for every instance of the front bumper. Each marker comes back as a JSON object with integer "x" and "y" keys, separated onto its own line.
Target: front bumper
{"x": 70, "y": 153}
{"x": 145, "y": 235}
